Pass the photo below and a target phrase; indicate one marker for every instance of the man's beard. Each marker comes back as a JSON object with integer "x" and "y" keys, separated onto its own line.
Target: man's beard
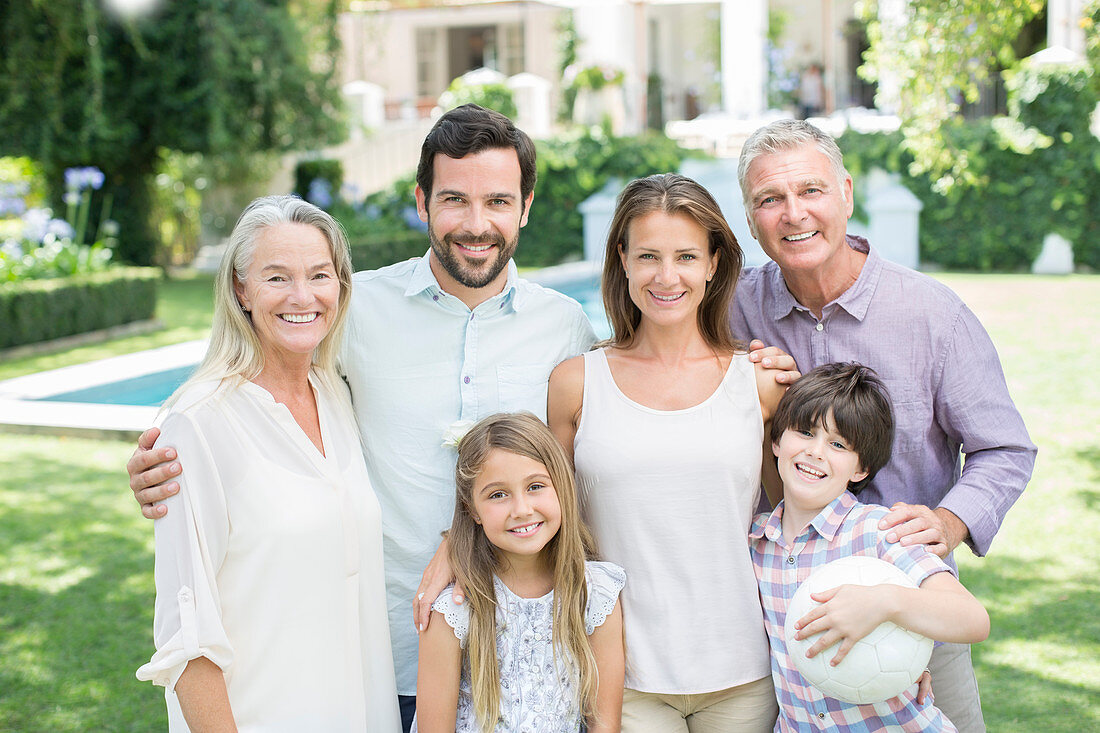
{"x": 466, "y": 275}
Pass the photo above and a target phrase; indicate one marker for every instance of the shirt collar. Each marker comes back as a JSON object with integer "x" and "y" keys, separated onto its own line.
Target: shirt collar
{"x": 826, "y": 523}
{"x": 423, "y": 279}
{"x": 829, "y": 519}
{"x": 855, "y": 300}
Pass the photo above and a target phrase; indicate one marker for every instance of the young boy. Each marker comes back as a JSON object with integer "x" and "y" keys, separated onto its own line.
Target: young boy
{"x": 831, "y": 433}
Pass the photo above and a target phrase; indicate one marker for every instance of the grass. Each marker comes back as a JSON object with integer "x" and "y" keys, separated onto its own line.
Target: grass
{"x": 76, "y": 557}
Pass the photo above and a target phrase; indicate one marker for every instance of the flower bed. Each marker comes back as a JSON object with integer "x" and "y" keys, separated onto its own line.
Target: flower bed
{"x": 52, "y": 284}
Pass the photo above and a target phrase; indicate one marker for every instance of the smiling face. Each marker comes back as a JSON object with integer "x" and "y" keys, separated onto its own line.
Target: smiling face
{"x": 797, "y": 209}
{"x": 290, "y": 291}
{"x": 816, "y": 466}
{"x": 516, "y": 505}
{"x": 474, "y": 213}
{"x": 668, "y": 262}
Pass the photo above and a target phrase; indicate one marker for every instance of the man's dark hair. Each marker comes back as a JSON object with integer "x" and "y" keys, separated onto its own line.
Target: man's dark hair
{"x": 472, "y": 129}
{"x": 860, "y": 406}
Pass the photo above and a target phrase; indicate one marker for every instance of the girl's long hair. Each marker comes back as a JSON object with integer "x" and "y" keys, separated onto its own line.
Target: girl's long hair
{"x": 671, "y": 194}
{"x": 475, "y": 562}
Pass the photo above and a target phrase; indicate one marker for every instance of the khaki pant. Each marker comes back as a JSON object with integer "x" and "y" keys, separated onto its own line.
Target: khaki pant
{"x": 750, "y": 707}
{"x": 955, "y": 688}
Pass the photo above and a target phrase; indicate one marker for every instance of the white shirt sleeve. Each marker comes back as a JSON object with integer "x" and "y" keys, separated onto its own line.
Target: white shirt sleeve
{"x": 605, "y": 582}
{"x": 457, "y": 617}
{"x": 191, "y": 543}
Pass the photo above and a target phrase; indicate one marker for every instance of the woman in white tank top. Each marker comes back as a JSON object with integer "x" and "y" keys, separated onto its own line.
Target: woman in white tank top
{"x": 666, "y": 426}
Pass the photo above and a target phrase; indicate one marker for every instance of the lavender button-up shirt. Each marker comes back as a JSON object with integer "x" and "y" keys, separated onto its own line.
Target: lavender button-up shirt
{"x": 943, "y": 373}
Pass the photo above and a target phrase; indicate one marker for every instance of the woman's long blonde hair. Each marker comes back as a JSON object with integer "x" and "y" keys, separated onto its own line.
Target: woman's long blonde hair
{"x": 676, "y": 195}
{"x": 475, "y": 562}
{"x": 234, "y": 349}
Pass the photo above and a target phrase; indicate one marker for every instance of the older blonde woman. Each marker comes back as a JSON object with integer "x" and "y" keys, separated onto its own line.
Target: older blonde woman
{"x": 270, "y": 610}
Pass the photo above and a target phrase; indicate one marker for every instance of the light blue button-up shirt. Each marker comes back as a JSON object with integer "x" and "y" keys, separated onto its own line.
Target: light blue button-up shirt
{"x": 418, "y": 360}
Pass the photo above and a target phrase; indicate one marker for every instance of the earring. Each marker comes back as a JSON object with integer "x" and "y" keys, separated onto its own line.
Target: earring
{"x": 709, "y": 276}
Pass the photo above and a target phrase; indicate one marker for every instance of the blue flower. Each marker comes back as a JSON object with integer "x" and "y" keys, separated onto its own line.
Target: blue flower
{"x": 35, "y": 222}
{"x": 60, "y": 229}
{"x": 412, "y": 219}
{"x": 10, "y": 249}
{"x": 12, "y": 206}
{"x": 77, "y": 179}
{"x": 320, "y": 193}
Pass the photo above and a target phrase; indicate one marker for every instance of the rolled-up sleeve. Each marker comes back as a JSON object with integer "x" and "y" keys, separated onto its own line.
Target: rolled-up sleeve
{"x": 973, "y": 407}
{"x": 191, "y": 542}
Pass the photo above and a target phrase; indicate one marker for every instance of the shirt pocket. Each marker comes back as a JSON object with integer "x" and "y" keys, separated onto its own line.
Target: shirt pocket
{"x": 912, "y": 416}
{"x": 523, "y": 387}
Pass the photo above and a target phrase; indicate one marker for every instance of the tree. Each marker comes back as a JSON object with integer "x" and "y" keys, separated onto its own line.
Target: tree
{"x": 80, "y": 86}
{"x": 941, "y": 52}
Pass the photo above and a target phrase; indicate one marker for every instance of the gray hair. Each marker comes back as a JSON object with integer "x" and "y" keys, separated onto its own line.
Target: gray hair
{"x": 780, "y": 136}
{"x": 234, "y": 349}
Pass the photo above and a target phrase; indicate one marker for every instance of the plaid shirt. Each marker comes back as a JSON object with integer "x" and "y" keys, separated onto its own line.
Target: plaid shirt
{"x": 844, "y": 528}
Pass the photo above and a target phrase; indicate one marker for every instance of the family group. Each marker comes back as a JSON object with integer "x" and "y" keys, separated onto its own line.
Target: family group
{"x": 423, "y": 497}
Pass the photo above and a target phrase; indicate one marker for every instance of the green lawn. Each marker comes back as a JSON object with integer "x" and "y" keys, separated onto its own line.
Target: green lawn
{"x": 76, "y": 558}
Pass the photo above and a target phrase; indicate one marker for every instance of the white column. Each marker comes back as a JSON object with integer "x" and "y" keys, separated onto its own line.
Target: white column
{"x": 892, "y": 15}
{"x": 744, "y": 68}
{"x": 1063, "y": 25}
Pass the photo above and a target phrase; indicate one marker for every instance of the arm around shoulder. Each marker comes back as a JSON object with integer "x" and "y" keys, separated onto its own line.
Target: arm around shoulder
{"x": 565, "y": 397}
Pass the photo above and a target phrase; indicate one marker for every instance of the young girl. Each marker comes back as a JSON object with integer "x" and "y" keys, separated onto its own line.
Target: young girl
{"x": 537, "y": 644}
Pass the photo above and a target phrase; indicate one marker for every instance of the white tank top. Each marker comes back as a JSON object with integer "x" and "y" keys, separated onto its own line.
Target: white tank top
{"x": 670, "y": 495}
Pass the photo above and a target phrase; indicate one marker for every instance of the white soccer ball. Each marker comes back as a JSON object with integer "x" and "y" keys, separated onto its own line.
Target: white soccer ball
{"x": 882, "y": 664}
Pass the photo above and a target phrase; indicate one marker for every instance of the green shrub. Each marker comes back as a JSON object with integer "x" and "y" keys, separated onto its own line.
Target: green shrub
{"x": 494, "y": 96}
{"x": 372, "y": 252}
{"x": 41, "y": 310}
{"x": 572, "y": 167}
{"x": 1037, "y": 172}
{"x": 319, "y": 181}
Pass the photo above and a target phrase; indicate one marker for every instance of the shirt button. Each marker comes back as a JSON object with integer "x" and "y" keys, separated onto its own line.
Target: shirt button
{"x": 820, "y": 326}
{"x": 821, "y": 715}
{"x": 466, "y": 380}
{"x": 790, "y": 559}
{"x": 435, "y": 298}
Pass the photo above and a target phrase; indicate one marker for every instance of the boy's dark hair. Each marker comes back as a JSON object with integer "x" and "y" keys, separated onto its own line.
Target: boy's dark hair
{"x": 861, "y": 410}
{"x": 472, "y": 129}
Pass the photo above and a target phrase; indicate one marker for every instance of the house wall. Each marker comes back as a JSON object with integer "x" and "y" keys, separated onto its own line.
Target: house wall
{"x": 382, "y": 47}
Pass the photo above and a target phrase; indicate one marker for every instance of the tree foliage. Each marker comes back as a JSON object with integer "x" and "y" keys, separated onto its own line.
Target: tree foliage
{"x": 79, "y": 86}
{"x": 941, "y": 52}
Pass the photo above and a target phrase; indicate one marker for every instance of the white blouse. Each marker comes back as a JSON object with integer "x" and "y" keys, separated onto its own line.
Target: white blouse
{"x": 538, "y": 689}
{"x": 269, "y": 563}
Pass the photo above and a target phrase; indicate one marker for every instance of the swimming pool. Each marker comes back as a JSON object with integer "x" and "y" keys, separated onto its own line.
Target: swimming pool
{"x": 148, "y": 389}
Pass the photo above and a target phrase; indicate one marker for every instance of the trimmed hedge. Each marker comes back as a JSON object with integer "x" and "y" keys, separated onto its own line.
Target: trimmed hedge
{"x": 370, "y": 253}
{"x": 41, "y": 310}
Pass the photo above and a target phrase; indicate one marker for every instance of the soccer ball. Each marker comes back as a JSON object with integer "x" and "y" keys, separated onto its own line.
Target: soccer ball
{"x": 880, "y": 665}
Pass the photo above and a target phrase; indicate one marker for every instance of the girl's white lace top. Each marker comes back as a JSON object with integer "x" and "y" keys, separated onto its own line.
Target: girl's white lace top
{"x": 538, "y": 692}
